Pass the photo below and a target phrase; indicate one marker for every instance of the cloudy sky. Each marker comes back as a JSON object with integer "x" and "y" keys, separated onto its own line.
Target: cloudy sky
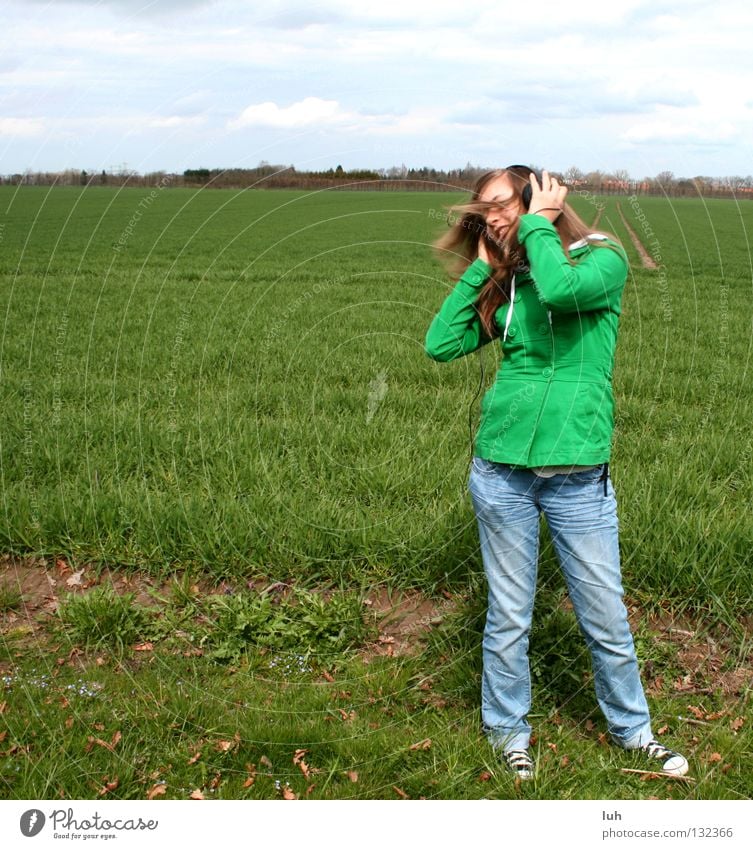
{"x": 639, "y": 85}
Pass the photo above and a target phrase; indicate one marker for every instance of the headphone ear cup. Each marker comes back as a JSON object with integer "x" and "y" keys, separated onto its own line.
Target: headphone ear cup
{"x": 527, "y": 192}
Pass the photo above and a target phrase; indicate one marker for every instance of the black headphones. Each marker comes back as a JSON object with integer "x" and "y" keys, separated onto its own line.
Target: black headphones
{"x": 527, "y": 192}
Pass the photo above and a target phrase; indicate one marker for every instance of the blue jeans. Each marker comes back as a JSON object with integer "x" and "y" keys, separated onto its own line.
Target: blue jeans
{"x": 583, "y": 524}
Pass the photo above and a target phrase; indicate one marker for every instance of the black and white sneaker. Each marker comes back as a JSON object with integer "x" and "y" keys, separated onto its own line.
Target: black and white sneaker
{"x": 519, "y": 763}
{"x": 673, "y": 763}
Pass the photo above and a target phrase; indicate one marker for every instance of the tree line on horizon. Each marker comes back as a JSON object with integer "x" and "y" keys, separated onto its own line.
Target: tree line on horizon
{"x": 400, "y": 178}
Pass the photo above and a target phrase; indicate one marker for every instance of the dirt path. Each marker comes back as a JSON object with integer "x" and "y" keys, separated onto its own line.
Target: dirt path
{"x": 646, "y": 260}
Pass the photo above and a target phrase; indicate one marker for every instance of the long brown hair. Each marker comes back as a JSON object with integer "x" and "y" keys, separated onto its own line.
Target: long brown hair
{"x": 458, "y": 248}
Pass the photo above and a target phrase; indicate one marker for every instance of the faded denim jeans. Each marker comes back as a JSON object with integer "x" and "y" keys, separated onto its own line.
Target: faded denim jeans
{"x": 583, "y": 523}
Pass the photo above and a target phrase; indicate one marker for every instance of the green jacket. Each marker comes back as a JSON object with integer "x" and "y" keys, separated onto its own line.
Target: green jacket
{"x": 552, "y": 401}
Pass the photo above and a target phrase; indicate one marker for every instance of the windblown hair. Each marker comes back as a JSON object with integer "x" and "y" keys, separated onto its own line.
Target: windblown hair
{"x": 458, "y": 248}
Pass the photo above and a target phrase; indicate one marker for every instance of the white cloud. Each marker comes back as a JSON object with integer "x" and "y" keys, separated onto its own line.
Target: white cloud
{"x": 24, "y": 128}
{"x": 304, "y": 113}
{"x": 426, "y": 82}
{"x": 663, "y": 132}
{"x": 315, "y": 112}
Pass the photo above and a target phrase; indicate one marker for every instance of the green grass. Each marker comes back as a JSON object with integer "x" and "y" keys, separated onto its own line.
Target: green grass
{"x": 103, "y": 617}
{"x": 10, "y": 597}
{"x": 241, "y": 386}
{"x": 232, "y": 385}
{"x": 171, "y": 717}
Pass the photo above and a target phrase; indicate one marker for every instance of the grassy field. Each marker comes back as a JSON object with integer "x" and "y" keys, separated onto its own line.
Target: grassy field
{"x": 232, "y": 385}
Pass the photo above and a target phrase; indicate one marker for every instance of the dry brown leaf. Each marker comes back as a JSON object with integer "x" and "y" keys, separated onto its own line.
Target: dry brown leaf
{"x": 300, "y": 763}
{"x": 663, "y": 730}
{"x": 552, "y": 746}
{"x": 714, "y": 757}
{"x": 590, "y": 725}
{"x": 251, "y": 770}
{"x": 422, "y": 745}
{"x": 96, "y": 741}
{"x": 737, "y": 724}
{"x": 99, "y": 726}
{"x": 144, "y": 647}
{"x": 75, "y": 579}
{"x": 385, "y": 640}
{"x": 226, "y": 745}
{"x": 564, "y": 761}
{"x": 718, "y": 715}
{"x": 3, "y": 706}
{"x": 265, "y": 761}
{"x": 62, "y": 567}
{"x": 157, "y": 790}
{"x": 195, "y": 757}
{"x": 196, "y": 794}
{"x": 3, "y": 735}
{"x": 109, "y": 786}
{"x": 352, "y": 775}
{"x": 484, "y": 776}
{"x": 327, "y": 677}
{"x": 69, "y": 722}
{"x": 401, "y": 793}
{"x": 347, "y": 716}
{"x": 215, "y": 782}
{"x": 310, "y": 789}
{"x": 697, "y": 712}
{"x": 287, "y": 793}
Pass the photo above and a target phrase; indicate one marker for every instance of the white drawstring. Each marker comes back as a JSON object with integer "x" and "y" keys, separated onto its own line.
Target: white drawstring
{"x": 510, "y": 310}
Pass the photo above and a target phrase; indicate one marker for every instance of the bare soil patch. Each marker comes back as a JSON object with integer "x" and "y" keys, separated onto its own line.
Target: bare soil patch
{"x": 404, "y": 619}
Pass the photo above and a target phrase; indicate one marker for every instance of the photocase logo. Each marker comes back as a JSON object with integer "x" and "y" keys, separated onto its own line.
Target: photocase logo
{"x": 32, "y": 822}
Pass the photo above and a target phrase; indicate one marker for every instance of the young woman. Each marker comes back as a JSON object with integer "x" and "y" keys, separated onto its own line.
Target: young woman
{"x": 535, "y": 277}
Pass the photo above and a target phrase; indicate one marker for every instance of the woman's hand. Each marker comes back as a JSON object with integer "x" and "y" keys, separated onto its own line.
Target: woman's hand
{"x": 548, "y": 199}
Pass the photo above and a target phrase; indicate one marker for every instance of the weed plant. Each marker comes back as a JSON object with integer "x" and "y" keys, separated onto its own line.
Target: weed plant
{"x": 103, "y": 617}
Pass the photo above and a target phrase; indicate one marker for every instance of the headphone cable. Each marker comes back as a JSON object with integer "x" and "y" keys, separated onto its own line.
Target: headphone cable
{"x": 470, "y": 414}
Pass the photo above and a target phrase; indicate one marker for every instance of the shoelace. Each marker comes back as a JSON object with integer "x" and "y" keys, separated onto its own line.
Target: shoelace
{"x": 654, "y": 749}
{"x": 519, "y": 761}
